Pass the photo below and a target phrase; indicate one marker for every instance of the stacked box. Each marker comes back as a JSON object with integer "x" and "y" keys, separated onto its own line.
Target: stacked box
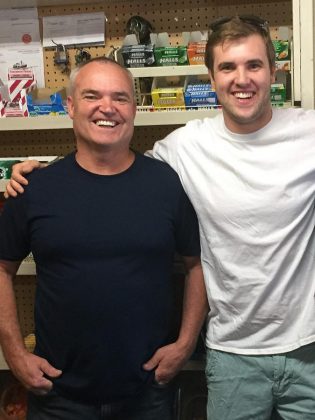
{"x": 46, "y": 102}
{"x": 171, "y": 56}
{"x": 138, "y": 55}
{"x": 282, "y": 50}
{"x": 199, "y": 94}
{"x": 167, "y": 95}
{"x": 196, "y": 52}
{"x": 277, "y": 94}
{"x": 18, "y": 79}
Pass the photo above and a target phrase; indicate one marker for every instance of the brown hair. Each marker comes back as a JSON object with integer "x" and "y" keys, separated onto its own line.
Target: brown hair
{"x": 235, "y": 28}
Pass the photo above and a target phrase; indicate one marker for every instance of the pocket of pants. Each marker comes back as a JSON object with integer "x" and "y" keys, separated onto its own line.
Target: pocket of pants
{"x": 212, "y": 363}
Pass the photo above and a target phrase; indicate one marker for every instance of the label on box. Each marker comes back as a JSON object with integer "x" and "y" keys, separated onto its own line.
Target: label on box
{"x": 281, "y": 49}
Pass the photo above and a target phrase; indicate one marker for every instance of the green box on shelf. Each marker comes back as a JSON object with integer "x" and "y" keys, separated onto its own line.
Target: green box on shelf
{"x": 6, "y": 168}
{"x": 282, "y": 49}
{"x": 278, "y": 93}
{"x": 171, "y": 56}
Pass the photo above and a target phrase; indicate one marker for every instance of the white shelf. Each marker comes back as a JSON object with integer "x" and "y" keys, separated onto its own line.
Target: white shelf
{"x": 35, "y": 123}
{"x": 165, "y": 71}
{"x": 172, "y": 117}
{"x": 143, "y": 118}
{"x": 64, "y": 122}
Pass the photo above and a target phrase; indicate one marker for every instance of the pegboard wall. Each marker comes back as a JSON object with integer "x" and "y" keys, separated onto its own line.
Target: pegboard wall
{"x": 169, "y": 16}
{"x": 24, "y": 288}
{"x": 174, "y": 17}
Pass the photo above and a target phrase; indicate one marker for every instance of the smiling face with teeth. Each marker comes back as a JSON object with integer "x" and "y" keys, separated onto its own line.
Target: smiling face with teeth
{"x": 242, "y": 77}
{"x": 103, "y": 108}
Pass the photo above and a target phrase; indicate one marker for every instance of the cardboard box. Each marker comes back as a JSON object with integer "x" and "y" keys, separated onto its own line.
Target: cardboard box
{"x": 282, "y": 49}
{"x": 6, "y": 167}
{"x": 199, "y": 93}
{"x": 18, "y": 79}
{"x": 196, "y": 52}
{"x": 168, "y": 92}
{"x": 135, "y": 55}
{"x": 46, "y": 102}
{"x": 278, "y": 93}
{"x": 171, "y": 56}
{"x": 17, "y": 108}
{"x": 284, "y": 65}
{"x": 167, "y": 55}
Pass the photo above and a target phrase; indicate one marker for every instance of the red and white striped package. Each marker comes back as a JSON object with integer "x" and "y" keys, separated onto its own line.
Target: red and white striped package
{"x": 15, "y": 86}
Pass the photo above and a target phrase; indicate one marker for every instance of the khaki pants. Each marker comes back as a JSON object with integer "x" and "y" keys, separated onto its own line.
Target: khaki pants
{"x": 261, "y": 387}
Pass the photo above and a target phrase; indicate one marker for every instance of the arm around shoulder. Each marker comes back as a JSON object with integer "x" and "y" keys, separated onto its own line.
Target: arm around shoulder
{"x": 15, "y": 184}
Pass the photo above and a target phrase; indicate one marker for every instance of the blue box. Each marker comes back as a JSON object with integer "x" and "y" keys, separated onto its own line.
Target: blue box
{"x": 199, "y": 94}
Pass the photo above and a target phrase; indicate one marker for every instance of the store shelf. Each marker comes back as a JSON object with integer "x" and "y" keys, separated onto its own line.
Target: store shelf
{"x": 64, "y": 122}
{"x": 172, "y": 117}
{"x": 35, "y": 123}
{"x": 169, "y": 71}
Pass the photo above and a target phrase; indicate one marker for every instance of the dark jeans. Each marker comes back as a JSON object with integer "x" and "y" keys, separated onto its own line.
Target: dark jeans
{"x": 155, "y": 403}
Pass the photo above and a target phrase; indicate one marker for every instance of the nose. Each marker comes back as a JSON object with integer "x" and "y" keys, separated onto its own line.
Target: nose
{"x": 106, "y": 105}
{"x": 241, "y": 77}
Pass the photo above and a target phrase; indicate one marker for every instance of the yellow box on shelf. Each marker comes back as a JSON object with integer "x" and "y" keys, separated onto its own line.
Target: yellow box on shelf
{"x": 168, "y": 92}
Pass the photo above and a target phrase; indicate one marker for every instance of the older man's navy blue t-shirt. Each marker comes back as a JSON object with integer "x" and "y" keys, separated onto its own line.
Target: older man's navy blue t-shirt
{"x": 103, "y": 247}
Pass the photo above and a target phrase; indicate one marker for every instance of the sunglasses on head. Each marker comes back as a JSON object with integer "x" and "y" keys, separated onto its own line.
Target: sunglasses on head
{"x": 250, "y": 19}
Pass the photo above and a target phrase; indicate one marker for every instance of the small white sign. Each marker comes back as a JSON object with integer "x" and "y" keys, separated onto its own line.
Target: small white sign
{"x": 86, "y": 28}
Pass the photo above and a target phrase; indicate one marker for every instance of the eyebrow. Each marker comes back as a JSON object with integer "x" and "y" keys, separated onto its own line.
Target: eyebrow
{"x": 89, "y": 91}
{"x": 97, "y": 92}
{"x": 232, "y": 63}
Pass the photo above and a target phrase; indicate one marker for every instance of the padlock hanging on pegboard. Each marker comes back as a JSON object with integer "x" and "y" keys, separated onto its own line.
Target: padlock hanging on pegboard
{"x": 61, "y": 57}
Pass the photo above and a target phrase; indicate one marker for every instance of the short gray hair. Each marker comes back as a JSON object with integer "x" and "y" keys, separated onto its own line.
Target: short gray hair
{"x": 101, "y": 60}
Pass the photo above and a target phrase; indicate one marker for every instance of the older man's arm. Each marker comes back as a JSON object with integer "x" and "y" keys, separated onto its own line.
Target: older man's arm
{"x": 169, "y": 360}
{"x": 28, "y": 368}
